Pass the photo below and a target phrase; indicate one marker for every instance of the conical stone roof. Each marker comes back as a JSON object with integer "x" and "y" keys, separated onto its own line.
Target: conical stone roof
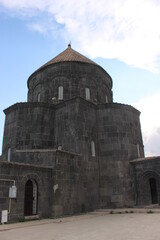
{"x": 69, "y": 55}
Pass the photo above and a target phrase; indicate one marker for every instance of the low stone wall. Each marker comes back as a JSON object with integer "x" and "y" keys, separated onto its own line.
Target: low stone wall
{"x": 146, "y": 169}
{"x": 20, "y": 173}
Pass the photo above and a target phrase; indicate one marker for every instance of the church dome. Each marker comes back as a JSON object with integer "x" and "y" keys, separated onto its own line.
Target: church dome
{"x": 69, "y": 55}
{"x": 68, "y": 75}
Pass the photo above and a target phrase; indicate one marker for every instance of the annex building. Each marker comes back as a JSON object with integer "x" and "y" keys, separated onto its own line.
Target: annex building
{"x": 70, "y": 148}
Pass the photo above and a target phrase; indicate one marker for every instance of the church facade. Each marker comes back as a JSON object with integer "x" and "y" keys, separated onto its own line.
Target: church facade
{"x": 70, "y": 148}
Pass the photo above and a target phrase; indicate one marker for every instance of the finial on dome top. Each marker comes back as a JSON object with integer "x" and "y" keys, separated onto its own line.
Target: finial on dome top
{"x": 69, "y": 45}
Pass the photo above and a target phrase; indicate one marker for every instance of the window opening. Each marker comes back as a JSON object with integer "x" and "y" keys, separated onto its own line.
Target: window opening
{"x": 39, "y": 97}
{"x": 60, "y": 93}
{"x": 9, "y": 155}
{"x": 93, "y": 152}
{"x": 87, "y": 93}
{"x": 138, "y": 151}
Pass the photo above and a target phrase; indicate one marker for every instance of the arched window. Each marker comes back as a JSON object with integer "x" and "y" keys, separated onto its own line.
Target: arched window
{"x": 39, "y": 97}
{"x": 60, "y": 93}
{"x": 87, "y": 93}
{"x": 9, "y": 155}
{"x": 106, "y": 99}
{"x": 93, "y": 152}
{"x": 138, "y": 151}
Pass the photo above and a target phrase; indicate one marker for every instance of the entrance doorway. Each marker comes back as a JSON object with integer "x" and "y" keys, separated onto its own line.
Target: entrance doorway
{"x": 153, "y": 187}
{"x": 31, "y": 199}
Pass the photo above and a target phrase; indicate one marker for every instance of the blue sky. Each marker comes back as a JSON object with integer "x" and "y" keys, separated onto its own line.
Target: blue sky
{"x": 123, "y": 36}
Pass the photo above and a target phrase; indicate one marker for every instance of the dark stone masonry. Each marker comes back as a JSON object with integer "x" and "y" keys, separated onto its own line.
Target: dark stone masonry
{"x": 70, "y": 149}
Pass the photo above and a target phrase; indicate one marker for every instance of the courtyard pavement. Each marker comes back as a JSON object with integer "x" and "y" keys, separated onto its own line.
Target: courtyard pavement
{"x": 126, "y": 224}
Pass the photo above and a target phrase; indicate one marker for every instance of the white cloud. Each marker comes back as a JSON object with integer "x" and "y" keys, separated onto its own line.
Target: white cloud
{"x": 150, "y": 123}
{"x": 43, "y": 26}
{"x": 37, "y": 27}
{"x": 124, "y": 29}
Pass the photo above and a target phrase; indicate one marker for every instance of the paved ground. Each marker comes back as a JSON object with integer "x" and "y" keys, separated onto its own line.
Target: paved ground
{"x": 94, "y": 226}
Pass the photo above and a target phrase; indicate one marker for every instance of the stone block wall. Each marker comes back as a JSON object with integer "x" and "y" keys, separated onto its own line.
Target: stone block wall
{"x": 75, "y": 126}
{"x": 41, "y": 157}
{"x": 119, "y": 133}
{"x": 21, "y": 173}
{"x": 72, "y": 126}
{"x": 144, "y": 170}
{"x": 75, "y": 185}
{"x": 70, "y": 186}
{"x": 29, "y": 126}
{"x": 74, "y": 77}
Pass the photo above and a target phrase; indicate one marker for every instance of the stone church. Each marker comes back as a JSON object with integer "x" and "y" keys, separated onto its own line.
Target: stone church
{"x": 70, "y": 148}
